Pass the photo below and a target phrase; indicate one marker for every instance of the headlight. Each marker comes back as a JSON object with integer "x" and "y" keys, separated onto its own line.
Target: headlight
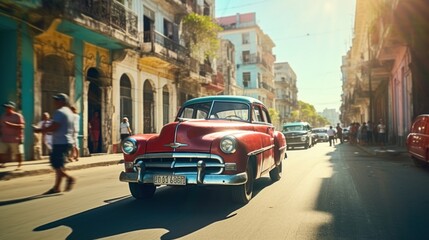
{"x": 304, "y": 138}
{"x": 228, "y": 144}
{"x": 129, "y": 146}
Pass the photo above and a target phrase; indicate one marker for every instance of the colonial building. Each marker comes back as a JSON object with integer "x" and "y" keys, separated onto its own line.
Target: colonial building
{"x": 285, "y": 89}
{"x": 386, "y": 69}
{"x": 253, "y": 56}
{"x": 117, "y": 58}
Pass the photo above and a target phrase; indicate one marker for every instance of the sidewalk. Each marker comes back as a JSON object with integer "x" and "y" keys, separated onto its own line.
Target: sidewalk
{"x": 38, "y": 167}
{"x": 387, "y": 151}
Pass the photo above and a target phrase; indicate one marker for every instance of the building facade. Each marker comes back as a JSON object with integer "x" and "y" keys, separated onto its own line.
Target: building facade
{"x": 385, "y": 72}
{"x": 116, "y": 58}
{"x": 253, "y": 56}
{"x": 286, "y": 90}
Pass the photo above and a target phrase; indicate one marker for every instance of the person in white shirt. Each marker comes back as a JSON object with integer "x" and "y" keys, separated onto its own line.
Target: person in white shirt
{"x": 47, "y": 137}
{"x": 125, "y": 129}
{"x": 331, "y": 135}
{"x": 74, "y": 156}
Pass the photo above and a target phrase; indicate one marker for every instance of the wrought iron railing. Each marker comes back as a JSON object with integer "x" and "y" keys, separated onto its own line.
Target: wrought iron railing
{"x": 109, "y": 12}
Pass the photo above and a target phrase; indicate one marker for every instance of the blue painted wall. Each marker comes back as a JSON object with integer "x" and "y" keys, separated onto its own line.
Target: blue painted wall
{"x": 78, "y": 48}
{"x": 27, "y": 75}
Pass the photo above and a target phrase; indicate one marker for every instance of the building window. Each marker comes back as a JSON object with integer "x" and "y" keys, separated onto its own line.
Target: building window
{"x": 246, "y": 56}
{"x": 245, "y": 38}
{"x": 246, "y": 79}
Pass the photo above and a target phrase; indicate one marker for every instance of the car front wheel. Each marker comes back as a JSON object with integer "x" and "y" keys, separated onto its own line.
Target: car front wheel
{"x": 142, "y": 191}
{"x": 243, "y": 193}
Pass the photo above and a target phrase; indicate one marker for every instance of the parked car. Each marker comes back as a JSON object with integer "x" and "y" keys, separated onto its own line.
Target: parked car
{"x": 418, "y": 140}
{"x": 322, "y": 133}
{"x": 217, "y": 140}
{"x": 298, "y": 134}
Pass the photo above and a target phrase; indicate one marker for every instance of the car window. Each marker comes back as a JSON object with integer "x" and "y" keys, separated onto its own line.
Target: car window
{"x": 293, "y": 128}
{"x": 266, "y": 115}
{"x": 257, "y": 116}
{"x": 196, "y": 111}
{"x": 230, "y": 111}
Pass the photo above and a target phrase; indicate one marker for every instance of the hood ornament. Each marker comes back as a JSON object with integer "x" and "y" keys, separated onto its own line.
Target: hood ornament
{"x": 176, "y": 145}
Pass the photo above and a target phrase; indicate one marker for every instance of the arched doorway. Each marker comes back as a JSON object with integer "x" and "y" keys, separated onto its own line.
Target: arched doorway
{"x": 94, "y": 111}
{"x": 55, "y": 79}
{"x": 148, "y": 108}
{"x": 165, "y": 105}
{"x": 126, "y": 100}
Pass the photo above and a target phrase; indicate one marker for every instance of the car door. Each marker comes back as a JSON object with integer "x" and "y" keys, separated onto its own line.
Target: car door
{"x": 416, "y": 143}
{"x": 263, "y": 125}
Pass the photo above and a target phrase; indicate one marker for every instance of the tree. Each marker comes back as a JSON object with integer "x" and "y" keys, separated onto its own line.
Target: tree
{"x": 201, "y": 36}
{"x": 306, "y": 112}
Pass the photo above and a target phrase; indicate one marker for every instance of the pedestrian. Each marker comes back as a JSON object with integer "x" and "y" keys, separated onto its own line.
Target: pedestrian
{"x": 125, "y": 128}
{"x": 339, "y": 133}
{"x": 94, "y": 128}
{"x": 369, "y": 133}
{"x": 74, "y": 156}
{"x": 12, "y": 134}
{"x": 62, "y": 129}
{"x": 381, "y": 133}
{"x": 331, "y": 135}
{"x": 47, "y": 136}
{"x": 363, "y": 133}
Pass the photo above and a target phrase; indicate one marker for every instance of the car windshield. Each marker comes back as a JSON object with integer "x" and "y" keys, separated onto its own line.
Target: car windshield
{"x": 293, "y": 128}
{"x": 320, "y": 130}
{"x": 220, "y": 110}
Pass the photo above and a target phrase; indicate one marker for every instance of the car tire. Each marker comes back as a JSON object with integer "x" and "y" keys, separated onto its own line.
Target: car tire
{"x": 142, "y": 191}
{"x": 276, "y": 173}
{"x": 243, "y": 193}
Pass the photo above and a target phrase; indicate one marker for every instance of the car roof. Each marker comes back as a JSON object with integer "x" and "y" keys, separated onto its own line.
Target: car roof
{"x": 245, "y": 99}
{"x": 296, "y": 124}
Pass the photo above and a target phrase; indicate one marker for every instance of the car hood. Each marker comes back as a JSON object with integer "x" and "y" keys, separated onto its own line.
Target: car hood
{"x": 294, "y": 133}
{"x": 193, "y": 135}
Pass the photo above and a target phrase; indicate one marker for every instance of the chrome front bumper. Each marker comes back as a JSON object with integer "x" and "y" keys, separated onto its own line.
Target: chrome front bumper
{"x": 217, "y": 179}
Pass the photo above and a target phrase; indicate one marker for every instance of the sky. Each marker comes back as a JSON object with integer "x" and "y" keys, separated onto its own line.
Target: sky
{"x": 311, "y": 35}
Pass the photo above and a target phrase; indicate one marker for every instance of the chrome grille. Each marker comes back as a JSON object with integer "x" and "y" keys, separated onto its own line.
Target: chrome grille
{"x": 180, "y": 163}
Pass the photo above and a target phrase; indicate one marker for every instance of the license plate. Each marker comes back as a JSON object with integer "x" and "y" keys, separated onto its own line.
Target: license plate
{"x": 169, "y": 180}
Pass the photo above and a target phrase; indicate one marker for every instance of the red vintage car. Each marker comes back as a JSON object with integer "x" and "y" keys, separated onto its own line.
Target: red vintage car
{"x": 418, "y": 140}
{"x": 218, "y": 140}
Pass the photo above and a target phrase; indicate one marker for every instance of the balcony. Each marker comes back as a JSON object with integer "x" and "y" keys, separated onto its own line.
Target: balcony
{"x": 155, "y": 43}
{"x": 104, "y": 23}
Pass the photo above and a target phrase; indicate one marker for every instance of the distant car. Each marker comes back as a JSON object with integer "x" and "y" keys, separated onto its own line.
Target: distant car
{"x": 418, "y": 140}
{"x": 298, "y": 134}
{"x": 214, "y": 141}
{"x": 322, "y": 133}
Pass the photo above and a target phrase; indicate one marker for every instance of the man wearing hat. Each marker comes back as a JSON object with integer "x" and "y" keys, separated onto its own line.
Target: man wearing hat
{"x": 62, "y": 129}
{"x": 12, "y": 134}
{"x": 125, "y": 128}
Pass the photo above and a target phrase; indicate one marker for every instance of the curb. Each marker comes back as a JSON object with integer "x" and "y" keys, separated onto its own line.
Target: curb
{"x": 4, "y": 176}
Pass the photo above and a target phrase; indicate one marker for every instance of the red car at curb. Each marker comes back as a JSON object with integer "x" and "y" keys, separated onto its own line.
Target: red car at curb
{"x": 214, "y": 141}
{"x": 418, "y": 140}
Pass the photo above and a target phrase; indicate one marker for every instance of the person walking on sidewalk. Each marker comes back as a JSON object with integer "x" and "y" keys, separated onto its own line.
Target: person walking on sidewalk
{"x": 46, "y": 137}
{"x": 12, "y": 135}
{"x": 381, "y": 133}
{"x": 62, "y": 128}
{"x": 74, "y": 155}
{"x": 125, "y": 129}
{"x": 331, "y": 135}
{"x": 340, "y": 133}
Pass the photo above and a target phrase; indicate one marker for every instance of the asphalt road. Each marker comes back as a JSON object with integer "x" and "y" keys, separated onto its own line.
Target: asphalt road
{"x": 325, "y": 193}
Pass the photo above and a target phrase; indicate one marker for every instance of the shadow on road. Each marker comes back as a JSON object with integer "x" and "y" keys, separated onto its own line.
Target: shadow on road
{"x": 371, "y": 197}
{"x": 26, "y": 199}
{"x": 178, "y": 210}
